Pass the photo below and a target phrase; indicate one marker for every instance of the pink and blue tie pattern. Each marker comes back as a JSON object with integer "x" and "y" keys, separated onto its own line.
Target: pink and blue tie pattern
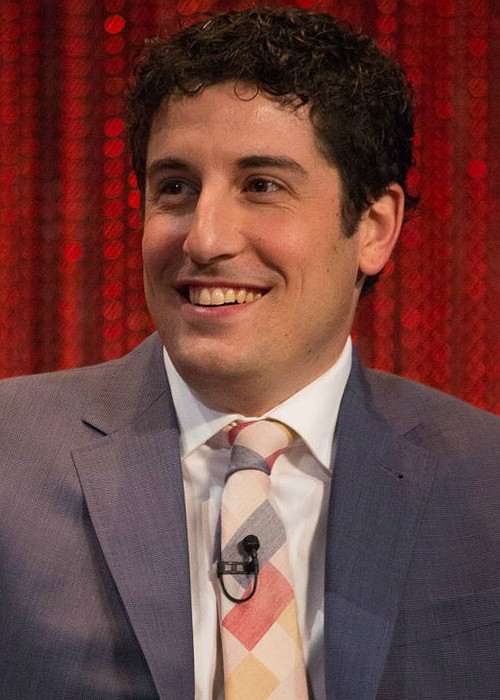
{"x": 262, "y": 650}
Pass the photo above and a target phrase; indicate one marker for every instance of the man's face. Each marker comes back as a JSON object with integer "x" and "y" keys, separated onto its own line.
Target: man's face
{"x": 241, "y": 206}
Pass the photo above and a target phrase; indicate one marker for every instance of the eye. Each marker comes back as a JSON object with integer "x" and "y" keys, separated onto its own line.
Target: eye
{"x": 174, "y": 194}
{"x": 263, "y": 185}
{"x": 175, "y": 188}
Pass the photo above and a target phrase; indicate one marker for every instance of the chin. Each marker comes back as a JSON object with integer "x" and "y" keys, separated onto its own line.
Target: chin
{"x": 208, "y": 365}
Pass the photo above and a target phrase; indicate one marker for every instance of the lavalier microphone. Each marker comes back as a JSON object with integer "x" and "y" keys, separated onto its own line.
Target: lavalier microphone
{"x": 250, "y": 545}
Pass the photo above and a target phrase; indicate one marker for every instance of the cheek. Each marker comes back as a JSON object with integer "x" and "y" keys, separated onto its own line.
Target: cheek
{"x": 310, "y": 255}
{"x": 161, "y": 244}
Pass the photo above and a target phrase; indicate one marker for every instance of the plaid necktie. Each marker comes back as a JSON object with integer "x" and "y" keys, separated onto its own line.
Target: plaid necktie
{"x": 261, "y": 644}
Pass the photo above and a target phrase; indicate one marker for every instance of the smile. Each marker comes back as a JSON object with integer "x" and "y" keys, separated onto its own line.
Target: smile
{"x": 219, "y": 296}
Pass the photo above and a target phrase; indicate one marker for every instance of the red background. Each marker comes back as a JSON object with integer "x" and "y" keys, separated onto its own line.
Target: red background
{"x": 70, "y": 262}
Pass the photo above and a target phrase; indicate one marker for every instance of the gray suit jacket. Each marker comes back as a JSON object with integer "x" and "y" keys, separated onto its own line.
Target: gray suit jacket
{"x": 94, "y": 577}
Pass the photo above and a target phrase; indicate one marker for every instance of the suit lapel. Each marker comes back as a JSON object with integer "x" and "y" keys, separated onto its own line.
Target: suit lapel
{"x": 380, "y": 482}
{"x": 132, "y": 482}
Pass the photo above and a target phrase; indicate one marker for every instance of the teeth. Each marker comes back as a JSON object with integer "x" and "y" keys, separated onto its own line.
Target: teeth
{"x": 205, "y": 297}
{"x": 229, "y": 296}
{"x": 216, "y": 296}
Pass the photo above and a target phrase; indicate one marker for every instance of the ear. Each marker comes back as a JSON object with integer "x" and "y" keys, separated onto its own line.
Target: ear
{"x": 379, "y": 229}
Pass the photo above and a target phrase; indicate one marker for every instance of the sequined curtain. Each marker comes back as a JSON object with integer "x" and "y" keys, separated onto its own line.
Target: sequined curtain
{"x": 70, "y": 262}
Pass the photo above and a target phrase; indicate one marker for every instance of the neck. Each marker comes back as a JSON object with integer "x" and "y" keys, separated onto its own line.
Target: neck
{"x": 252, "y": 396}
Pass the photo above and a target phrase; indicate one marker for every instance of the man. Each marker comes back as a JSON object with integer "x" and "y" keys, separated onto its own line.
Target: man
{"x": 271, "y": 148}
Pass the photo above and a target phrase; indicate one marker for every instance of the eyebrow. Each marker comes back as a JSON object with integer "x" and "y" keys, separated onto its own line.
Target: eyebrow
{"x": 259, "y": 161}
{"x": 244, "y": 163}
{"x": 157, "y": 166}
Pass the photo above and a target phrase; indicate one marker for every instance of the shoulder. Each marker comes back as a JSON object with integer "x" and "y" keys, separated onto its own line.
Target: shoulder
{"x": 440, "y": 421}
{"x": 40, "y": 414}
{"x": 54, "y": 391}
{"x": 58, "y": 399}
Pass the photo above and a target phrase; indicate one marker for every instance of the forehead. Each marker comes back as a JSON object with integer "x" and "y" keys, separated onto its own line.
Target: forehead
{"x": 233, "y": 119}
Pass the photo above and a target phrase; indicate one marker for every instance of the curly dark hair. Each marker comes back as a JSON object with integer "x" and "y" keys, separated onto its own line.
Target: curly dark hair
{"x": 361, "y": 105}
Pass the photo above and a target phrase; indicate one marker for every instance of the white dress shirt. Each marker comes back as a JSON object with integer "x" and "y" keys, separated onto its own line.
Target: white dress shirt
{"x": 301, "y": 487}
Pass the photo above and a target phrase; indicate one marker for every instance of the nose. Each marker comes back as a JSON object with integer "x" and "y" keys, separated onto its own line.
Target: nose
{"x": 215, "y": 228}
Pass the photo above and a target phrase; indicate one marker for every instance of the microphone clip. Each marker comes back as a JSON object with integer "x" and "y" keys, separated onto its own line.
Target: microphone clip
{"x": 250, "y": 544}
{"x": 235, "y": 568}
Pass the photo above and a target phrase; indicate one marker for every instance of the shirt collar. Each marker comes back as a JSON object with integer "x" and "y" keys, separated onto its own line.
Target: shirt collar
{"x": 312, "y": 412}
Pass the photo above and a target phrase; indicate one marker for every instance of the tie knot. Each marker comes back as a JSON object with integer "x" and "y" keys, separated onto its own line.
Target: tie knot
{"x": 257, "y": 444}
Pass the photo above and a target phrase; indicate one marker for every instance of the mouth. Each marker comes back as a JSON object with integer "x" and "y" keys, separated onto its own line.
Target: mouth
{"x": 220, "y": 296}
